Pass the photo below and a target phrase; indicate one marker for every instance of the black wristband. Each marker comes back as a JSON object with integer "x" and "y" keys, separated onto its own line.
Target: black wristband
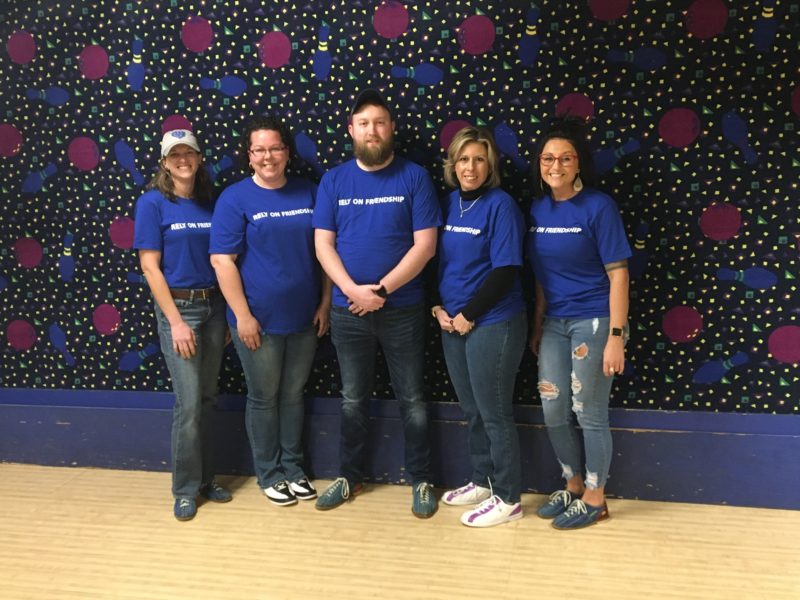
{"x": 381, "y": 291}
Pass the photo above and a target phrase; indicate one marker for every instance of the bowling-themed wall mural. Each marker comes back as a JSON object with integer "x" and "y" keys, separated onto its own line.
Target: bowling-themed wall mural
{"x": 694, "y": 107}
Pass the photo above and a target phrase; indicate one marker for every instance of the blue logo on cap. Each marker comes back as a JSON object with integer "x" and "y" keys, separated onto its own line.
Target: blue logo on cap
{"x": 178, "y": 134}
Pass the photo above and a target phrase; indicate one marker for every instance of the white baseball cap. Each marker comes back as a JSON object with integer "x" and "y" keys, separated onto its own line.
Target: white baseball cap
{"x": 178, "y": 136}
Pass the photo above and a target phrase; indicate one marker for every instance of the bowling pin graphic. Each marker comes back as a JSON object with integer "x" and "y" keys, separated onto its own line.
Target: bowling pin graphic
{"x": 321, "y": 63}
{"x": 134, "y": 277}
{"x": 125, "y": 157}
{"x": 714, "y": 370}
{"x": 734, "y": 129}
{"x": 3, "y": 283}
{"x": 132, "y": 359}
{"x": 508, "y": 143}
{"x": 307, "y": 149}
{"x": 54, "y": 95}
{"x": 646, "y": 58}
{"x": 765, "y": 28}
{"x": 607, "y": 158}
{"x": 226, "y": 162}
{"x": 423, "y": 73}
{"x": 136, "y": 68}
{"x": 59, "y": 340}
{"x": 66, "y": 263}
{"x": 529, "y": 43}
{"x": 34, "y": 180}
{"x": 230, "y": 85}
{"x": 756, "y": 278}
{"x": 637, "y": 263}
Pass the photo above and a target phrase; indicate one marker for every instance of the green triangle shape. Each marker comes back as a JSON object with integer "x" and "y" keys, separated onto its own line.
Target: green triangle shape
{"x": 95, "y": 279}
{"x": 534, "y": 119}
{"x": 350, "y": 76}
{"x": 255, "y": 82}
{"x": 25, "y": 365}
{"x": 640, "y": 327}
{"x": 788, "y": 275}
{"x": 668, "y": 379}
{"x": 86, "y": 188}
{"x": 59, "y": 140}
{"x": 147, "y": 138}
{"x": 275, "y": 28}
{"x": 647, "y": 113}
{"x": 739, "y": 50}
{"x": 37, "y": 321}
{"x": 561, "y": 62}
{"x": 120, "y": 90}
{"x": 795, "y": 162}
{"x": 49, "y": 45}
{"x": 782, "y": 382}
{"x": 760, "y": 220}
{"x": 673, "y": 167}
{"x": 480, "y": 122}
{"x": 734, "y": 166}
{"x": 425, "y": 16}
{"x": 506, "y": 67}
{"x": 429, "y": 125}
{"x": 756, "y": 328}
{"x": 707, "y": 111}
{"x": 678, "y": 54}
{"x": 103, "y": 139}
{"x": 164, "y": 87}
{"x": 228, "y": 31}
{"x": 670, "y": 275}
{"x": 303, "y": 79}
{"x": 77, "y": 93}
{"x": 77, "y": 322}
{"x": 329, "y": 129}
{"x": 478, "y": 11}
{"x": 768, "y": 108}
{"x": 453, "y": 69}
{"x": 724, "y": 380}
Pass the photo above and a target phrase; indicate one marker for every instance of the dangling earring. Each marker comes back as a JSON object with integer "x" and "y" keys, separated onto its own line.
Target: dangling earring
{"x": 577, "y": 185}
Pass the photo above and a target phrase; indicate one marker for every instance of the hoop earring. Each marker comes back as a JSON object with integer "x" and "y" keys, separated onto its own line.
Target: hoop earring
{"x": 577, "y": 185}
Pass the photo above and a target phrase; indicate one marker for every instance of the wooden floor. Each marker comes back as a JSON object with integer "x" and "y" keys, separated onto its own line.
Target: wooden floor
{"x": 90, "y": 533}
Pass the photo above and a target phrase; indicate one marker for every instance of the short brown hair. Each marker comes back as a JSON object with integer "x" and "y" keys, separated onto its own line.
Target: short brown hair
{"x": 469, "y": 135}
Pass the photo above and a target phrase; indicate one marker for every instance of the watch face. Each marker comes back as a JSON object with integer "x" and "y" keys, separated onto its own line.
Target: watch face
{"x": 616, "y": 331}
{"x": 382, "y": 292}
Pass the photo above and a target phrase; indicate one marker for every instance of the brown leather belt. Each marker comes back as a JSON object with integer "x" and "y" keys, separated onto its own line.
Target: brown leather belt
{"x": 191, "y": 295}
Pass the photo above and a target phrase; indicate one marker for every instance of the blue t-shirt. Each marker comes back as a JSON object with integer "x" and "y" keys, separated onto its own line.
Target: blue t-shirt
{"x": 180, "y": 231}
{"x": 568, "y": 244}
{"x": 488, "y": 235}
{"x": 375, "y": 215}
{"x": 270, "y": 231}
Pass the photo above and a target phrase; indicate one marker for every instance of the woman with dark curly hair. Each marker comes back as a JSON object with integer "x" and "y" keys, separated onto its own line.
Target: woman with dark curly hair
{"x": 172, "y": 233}
{"x": 262, "y": 248}
{"x": 579, "y": 253}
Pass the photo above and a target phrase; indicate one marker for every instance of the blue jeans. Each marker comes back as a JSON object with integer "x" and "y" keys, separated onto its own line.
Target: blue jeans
{"x": 194, "y": 382}
{"x": 401, "y": 335}
{"x": 276, "y": 374}
{"x": 571, "y": 380}
{"x": 483, "y": 366}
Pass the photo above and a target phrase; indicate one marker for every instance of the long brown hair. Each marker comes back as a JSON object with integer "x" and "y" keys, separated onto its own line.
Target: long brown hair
{"x": 202, "y": 193}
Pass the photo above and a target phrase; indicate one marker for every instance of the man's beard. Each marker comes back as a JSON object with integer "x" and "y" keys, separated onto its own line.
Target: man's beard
{"x": 373, "y": 156}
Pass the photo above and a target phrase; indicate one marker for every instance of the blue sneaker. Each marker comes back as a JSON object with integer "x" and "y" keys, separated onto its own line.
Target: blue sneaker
{"x": 215, "y": 492}
{"x": 556, "y": 504}
{"x": 337, "y": 494}
{"x": 424, "y": 503}
{"x": 579, "y": 514}
{"x": 185, "y": 509}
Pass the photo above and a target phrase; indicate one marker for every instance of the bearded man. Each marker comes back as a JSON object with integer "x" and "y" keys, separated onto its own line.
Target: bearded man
{"x": 376, "y": 220}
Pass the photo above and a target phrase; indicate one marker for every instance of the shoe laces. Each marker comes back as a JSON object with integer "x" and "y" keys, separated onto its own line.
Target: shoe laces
{"x": 344, "y": 486}
{"x": 563, "y": 496}
{"x": 424, "y": 491}
{"x": 184, "y": 503}
{"x": 578, "y": 507}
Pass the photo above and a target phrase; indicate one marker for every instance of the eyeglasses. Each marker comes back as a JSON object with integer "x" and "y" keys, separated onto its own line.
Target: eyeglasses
{"x": 565, "y": 160}
{"x": 262, "y": 152}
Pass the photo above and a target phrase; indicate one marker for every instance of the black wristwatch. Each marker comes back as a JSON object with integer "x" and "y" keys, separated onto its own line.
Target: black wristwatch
{"x": 616, "y": 332}
{"x": 381, "y": 291}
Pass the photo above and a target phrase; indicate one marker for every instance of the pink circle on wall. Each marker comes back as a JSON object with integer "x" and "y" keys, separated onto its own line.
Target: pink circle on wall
{"x": 720, "y": 221}
{"x": 706, "y": 18}
{"x": 121, "y": 232}
{"x": 83, "y": 153}
{"x": 93, "y": 62}
{"x": 274, "y": 49}
{"x": 21, "y": 334}
{"x": 175, "y": 122}
{"x": 10, "y": 140}
{"x": 391, "y": 19}
{"x": 784, "y": 344}
{"x": 608, "y": 10}
{"x": 21, "y": 47}
{"x": 28, "y": 252}
{"x": 681, "y": 324}
{"x": 476, "y": 34}
{"x": 197, "y": 34}
{"x": 106, "y": 319}
{"x": 575, "y": 105}
{"x": 679, "y": 127}
{"x": 450, "y": 129}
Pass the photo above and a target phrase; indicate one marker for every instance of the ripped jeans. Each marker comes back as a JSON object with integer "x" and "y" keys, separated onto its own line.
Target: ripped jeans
{"x": 571, "y": 380}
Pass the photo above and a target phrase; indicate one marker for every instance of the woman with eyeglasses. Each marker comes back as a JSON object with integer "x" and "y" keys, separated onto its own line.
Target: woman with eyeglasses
{"x": 483, "y": 323}
{"x": 171, "y": 233}
{"x": 578, "y": 250}
{"x": 262, "y": 248}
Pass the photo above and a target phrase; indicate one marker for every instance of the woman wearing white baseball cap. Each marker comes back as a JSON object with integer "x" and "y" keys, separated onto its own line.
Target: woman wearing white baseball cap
{"x": 173, "y": 224}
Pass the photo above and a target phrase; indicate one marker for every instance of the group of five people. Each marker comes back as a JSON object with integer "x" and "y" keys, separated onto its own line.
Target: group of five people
{"x": 291, "y": 259}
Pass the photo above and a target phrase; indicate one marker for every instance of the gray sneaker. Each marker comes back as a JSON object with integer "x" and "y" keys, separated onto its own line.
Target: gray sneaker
{"x": 424, "y": 503}
{"x": 337, "y": 494}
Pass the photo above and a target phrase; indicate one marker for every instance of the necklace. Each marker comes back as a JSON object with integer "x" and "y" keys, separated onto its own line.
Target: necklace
{"x": 466, "y": 210}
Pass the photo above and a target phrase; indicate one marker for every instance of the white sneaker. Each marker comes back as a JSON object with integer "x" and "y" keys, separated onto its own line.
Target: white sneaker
{"x": 280, "y": 493}
{"x": 492, "y": 512}
{"x": 466, "y": 494}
